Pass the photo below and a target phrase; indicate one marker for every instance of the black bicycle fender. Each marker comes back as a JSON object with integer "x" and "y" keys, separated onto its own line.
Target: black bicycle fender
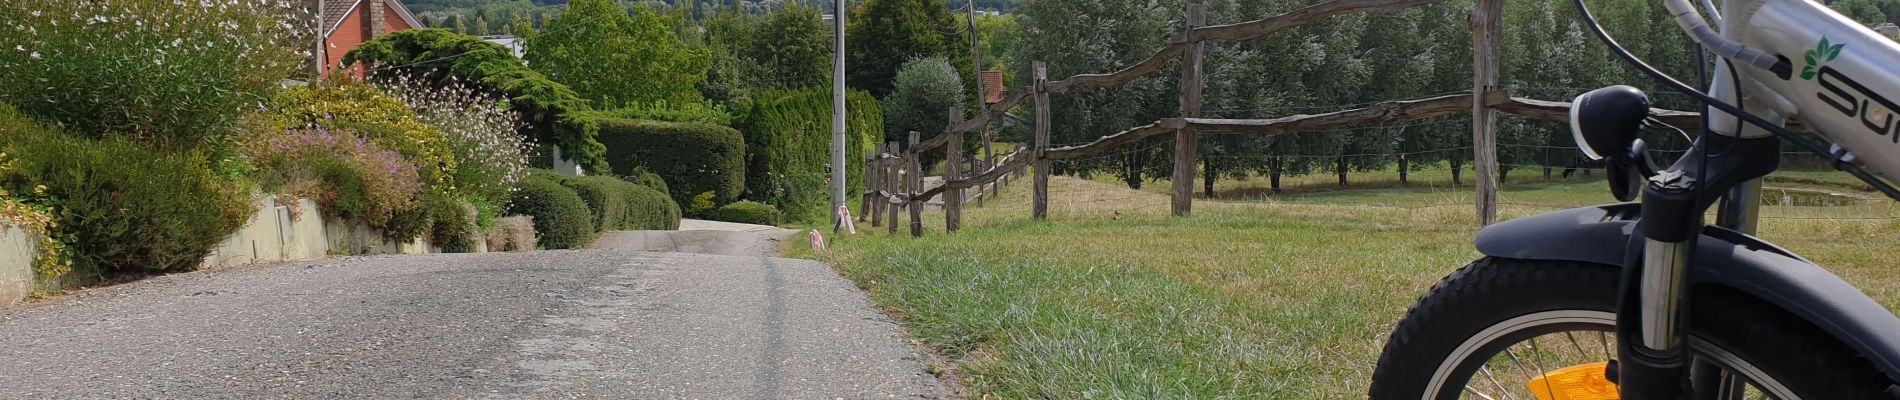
{"x": 1603, "y": 235}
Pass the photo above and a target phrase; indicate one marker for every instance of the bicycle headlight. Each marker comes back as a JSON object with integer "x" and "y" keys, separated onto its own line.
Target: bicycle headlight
{"x": 1604, "y": 122}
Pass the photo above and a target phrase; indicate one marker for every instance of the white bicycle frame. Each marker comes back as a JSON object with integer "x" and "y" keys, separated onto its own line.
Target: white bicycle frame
{"x": 1844, "y": 92}
{"x": 1779, "y": 59}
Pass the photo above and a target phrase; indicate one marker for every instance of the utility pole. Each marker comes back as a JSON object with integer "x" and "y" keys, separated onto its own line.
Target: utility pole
{"x": 976, "y": 68}
{"x": 837, "y": 112}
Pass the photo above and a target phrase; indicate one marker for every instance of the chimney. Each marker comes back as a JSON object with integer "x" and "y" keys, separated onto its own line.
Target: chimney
{"x": 376, "y": 24}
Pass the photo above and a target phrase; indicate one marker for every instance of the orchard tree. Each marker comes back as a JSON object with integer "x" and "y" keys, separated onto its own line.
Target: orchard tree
{"x": 1087, "y": 36}
{"x": 612, "y": 58}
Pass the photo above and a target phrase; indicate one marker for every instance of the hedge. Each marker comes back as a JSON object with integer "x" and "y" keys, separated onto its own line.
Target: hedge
{"x": 788, "y": 146}
{"x": 692, "y": 157}
{"x": 561, "y": 219}
{"x": 747, "y": 212}
{"x": 123, "y": 207}
{"x": 453, "y": 228}
{"x": 616, "y": 204}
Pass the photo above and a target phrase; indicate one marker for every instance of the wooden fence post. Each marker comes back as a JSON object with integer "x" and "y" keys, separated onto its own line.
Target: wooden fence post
{"x": 1039, "y": 205}
{"x": 1186, "y": 145}
{"x": 915, "y": 186}
{"x": 870, "y": 170}
{"x": 1486, "y": 29}
{"x": 891, "y": 176}
{"x": 952, "y": 171}
{"x": 874, "y": 185}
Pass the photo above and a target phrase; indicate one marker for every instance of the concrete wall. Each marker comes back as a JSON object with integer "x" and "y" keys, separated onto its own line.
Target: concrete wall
{"x": 17, "y": 249}
{"x": 287, "y": 230}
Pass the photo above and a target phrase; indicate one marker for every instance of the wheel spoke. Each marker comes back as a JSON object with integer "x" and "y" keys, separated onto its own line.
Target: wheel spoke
{"x": 1494, "y": 381}
{"x": 1573, "y": 342}
{"x": 1605, "y": 340}
{"x": 1475, "y": 392}
{"x": 1537, "y": 358}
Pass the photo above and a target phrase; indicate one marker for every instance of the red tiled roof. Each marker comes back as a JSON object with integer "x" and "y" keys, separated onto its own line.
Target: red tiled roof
{"x": 993, "y": 90}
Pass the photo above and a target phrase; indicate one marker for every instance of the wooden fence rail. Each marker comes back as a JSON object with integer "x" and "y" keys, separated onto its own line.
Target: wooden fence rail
{"x": 883, "y": 191}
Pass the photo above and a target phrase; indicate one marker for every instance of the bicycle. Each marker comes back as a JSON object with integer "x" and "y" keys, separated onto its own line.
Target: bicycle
{"x": 1642, "y": 300}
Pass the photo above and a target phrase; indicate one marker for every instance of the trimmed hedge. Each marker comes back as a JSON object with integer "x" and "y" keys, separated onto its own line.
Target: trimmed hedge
{"x": 788, "y": 146}
{"x": 617, "y": 204}
{"x": 693, "y": 158}
{"x": 561, "y": 219}
{"x": 123, "y": 207}
{"x": 747, "y": 212}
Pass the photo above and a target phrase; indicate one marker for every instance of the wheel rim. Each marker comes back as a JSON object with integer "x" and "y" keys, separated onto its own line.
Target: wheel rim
{"x": 1590, "y": 333}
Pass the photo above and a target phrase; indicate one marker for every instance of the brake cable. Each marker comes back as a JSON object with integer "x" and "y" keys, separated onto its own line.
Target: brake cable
{"x": 1840, "y": 159}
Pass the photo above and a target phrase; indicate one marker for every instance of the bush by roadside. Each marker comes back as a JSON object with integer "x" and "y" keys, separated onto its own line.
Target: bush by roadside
{"x": 561, "y": 219}
{"x": 617, "y": 204}
{"x": 514, "y": 233}
{"x": 747, "y": 212}
{"x": 694, "y": 158}
{"x": 788, "y": 145}
{"x": 123, "y": 207}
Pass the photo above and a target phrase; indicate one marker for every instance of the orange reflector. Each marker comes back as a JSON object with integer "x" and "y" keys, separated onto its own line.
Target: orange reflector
{"x": 1576, "y": 382}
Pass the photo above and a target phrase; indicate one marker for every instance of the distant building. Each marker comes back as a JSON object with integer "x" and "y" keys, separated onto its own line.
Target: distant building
{"x": 349, "y": 23}
{"x": 510, "y": 41}
{"x": 993, "y": 88}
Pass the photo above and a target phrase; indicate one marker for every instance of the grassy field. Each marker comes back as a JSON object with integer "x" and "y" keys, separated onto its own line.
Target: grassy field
{"x": 1285, "y": 296}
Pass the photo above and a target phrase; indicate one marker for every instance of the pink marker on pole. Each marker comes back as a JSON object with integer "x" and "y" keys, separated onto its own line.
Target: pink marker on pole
{"x": 817, "y": 241}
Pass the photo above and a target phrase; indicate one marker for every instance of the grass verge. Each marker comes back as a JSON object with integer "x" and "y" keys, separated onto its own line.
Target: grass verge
{"x": 1285, "y": 297}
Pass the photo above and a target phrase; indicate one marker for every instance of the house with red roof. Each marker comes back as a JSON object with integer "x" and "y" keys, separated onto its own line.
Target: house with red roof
{"x": 349, "y": 23}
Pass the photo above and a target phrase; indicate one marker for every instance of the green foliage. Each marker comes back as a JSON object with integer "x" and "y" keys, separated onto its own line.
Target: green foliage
{"x": 617, "y": 204}
{"x": 650, "y": 209}
{"x": 607, "y": 56}
{"x": 561, "y": 219}
{"x": 384, "y": 120}
{"x": 453, "y": 227}
{"x": 645, "y": 177}
{"x": 480, "y": 133}
{"x": 884, "y": 34}
{"x": 663, "y": 111}
{"x": 747, "y": 212}
{"x": 793, "y": 48}
{"x": 544, "y": 104}
{"x": 788, "y": 146}
{"x": 692, "y": 157}
{"x": 925, "y": 90}
{"x": 173, "y": 73}
{"x": 123, "y": 207}
{"x": 702, "y": 204}
{"x": 348, "y": 175}
{"x": 606, "y": 202}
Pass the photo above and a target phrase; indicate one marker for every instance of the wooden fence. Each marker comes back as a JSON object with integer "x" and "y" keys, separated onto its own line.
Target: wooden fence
{"x": 1484, "y": 101}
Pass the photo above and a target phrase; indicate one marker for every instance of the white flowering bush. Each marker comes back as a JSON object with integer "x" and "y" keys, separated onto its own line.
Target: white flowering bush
{"x": 491, "y": 155}
{"x": 175, "y": 72}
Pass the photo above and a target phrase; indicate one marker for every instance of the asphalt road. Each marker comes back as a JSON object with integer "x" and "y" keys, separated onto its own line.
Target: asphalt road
{"x": 609, "y": 323}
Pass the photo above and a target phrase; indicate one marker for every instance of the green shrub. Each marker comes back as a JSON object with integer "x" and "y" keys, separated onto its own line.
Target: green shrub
{"x": 381, "y": 119}
{"x": 350, "y": 176}
{"x": 649, "y": 209}
{"x": 167, "y": 72}
{"x": 605, "y": 196}
{"x": 452, "y": 226}
{"x": 788, "y": 146}
{"x": 549, "y": 108}
{"x": 747, "y": 212}
{"x": 667, "y": 111}
{"x": 694, "y": 158}
{"x": 561, "y": 218}
{"x": 123, "y": 207}
{"x": 621, "y": 205}
{"x": 645, "y": 177}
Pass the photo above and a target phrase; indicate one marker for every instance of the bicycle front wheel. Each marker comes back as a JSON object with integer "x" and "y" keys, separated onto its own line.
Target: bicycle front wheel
{"x": 1499, "y": 328}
